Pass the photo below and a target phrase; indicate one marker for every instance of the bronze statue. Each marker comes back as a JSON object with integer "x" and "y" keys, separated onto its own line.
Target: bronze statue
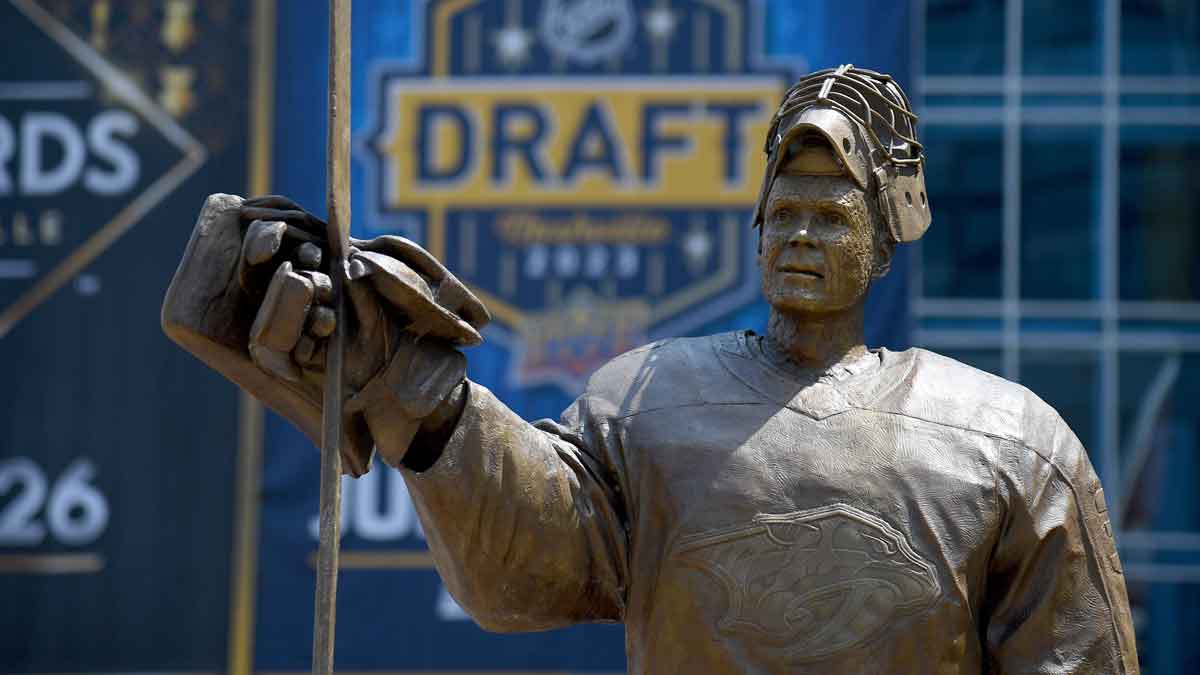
{"x": 787, "y": 503}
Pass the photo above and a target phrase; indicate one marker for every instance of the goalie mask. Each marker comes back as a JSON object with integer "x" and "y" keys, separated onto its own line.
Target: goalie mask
{"x": 870, "y": 126}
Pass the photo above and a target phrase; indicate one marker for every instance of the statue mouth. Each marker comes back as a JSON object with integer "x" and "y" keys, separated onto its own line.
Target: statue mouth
{"x": 802, "y": 272}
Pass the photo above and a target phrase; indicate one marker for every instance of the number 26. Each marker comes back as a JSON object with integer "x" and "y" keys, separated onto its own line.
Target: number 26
{"x": 76, "y": 512}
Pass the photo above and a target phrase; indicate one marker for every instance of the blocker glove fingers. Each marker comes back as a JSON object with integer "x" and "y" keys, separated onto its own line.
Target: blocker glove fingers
{"x": 265, "y": 243}
{"x": 446, "y": 290}
{"x": 322, "y": 286}
{"x": 274, "y": 207}
{"x": 273, "y": 202}
{"x": 321, "y": 322}
{"x": 280, "y": 323}
{"x": 434, "y": 304}
{"x": 319, "y": 325}
{"x": 262, "y": 241}
{"x": 408, "y": 252}
{"x": 310, "y": 354}
{"x": 309, "y": 256}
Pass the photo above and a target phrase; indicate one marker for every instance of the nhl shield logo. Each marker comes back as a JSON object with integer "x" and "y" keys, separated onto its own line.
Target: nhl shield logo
{"x": 587, "y": 166}
{"x": 587, "y": 31}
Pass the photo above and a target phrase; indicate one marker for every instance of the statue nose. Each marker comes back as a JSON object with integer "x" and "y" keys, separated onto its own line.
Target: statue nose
{"x": 801, "y": 235}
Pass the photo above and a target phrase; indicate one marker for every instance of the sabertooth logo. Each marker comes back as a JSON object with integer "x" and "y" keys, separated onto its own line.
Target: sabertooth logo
{"x": 587, "y": 166}
{"x": 814, "y": 583}
{"x": 84, "y": 155}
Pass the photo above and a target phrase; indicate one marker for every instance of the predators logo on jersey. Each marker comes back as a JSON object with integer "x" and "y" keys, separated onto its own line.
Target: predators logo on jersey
{"x": 587, "y": 166}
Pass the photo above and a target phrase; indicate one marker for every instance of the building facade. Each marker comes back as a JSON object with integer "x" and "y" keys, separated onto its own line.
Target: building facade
{"x": 1059, "y": 138}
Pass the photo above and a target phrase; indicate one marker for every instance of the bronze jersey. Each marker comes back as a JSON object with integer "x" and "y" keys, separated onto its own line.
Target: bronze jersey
{"x": 904, "y": 513}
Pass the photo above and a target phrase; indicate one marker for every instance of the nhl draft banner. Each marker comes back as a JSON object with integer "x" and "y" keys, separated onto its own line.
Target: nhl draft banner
{"x": 588, "y": 167}
{"x": 117, "y": 449}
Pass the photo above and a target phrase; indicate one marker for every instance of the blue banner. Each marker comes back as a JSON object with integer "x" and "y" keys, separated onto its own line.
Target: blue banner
{"x": 117, "y": 449}
{"x": 588, "y": 167}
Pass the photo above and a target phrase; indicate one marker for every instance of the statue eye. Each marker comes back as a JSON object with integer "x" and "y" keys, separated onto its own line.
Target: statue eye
{"x": 834, "y": 219}
{"x": 783, "y": 214}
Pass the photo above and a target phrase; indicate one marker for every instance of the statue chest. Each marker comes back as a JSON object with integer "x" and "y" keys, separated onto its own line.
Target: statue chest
{"x": 808, "y": 538}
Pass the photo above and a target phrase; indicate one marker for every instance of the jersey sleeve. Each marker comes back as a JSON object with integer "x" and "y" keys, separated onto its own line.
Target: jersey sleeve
{"x": 1056, "y": 600}
{"x": 526, "y": 522}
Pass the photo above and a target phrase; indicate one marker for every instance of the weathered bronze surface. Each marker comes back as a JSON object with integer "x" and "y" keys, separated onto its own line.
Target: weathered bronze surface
{"x": 787, "y": 503}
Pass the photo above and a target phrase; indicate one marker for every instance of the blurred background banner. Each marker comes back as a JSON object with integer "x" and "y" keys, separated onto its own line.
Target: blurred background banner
{"x": 588, "y": 166}
{"x": 117, "y": 449}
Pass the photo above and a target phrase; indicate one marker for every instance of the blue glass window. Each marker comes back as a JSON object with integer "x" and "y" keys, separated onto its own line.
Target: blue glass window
{"x": 962, "y": 254}
{"x": 1060, "y": 173}
{"x": 964, "y": 38}
{"x": 1167, "y": 616}
{"x": 1069, "y": 381}
{"x": 1160, "y": 37}
{"x": 989, "y": 360}
{"x": 1062, "y": 37}
{"x": 1160, "y": 213}
{"x": 1160, "y": 441}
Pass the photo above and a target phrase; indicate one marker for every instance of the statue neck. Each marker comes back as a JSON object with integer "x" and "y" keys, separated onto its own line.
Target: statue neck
{"x": 817, "y": 342}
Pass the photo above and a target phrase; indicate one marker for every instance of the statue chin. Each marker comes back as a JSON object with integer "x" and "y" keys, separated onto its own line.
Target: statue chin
{"x": 808, "y": 299}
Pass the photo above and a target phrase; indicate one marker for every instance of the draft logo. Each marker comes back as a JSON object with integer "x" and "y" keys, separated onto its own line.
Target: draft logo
{"x": 587, "y": 166}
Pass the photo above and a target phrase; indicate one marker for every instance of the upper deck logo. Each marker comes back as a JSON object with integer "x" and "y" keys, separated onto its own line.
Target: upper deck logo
{"x": 587, "y": 166}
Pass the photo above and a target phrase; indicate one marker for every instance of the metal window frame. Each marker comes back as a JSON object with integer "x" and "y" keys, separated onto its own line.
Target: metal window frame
{"x": 1111, "y": 340}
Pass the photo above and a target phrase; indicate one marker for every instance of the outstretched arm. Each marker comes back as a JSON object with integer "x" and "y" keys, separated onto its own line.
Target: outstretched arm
{"x": 525, "y": 521}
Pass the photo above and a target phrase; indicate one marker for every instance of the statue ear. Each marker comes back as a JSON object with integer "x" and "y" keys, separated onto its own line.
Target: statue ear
{"x": 884, "y": 250}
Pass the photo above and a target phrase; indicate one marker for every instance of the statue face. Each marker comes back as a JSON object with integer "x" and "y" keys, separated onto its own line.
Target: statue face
{"x": 820, "y": 249}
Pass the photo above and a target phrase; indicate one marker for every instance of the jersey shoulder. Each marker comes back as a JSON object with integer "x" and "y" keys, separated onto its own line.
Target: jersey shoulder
{"x": 926, "y": 385}
{"x": 670, "y": 373}
{"x": 1031, "y": 434}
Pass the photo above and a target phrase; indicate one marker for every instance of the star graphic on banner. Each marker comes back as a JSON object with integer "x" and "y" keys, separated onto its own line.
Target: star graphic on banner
{"x": 660, "y": 22}
{"x": 512, "y": 45}
{"x": 697, "y": 247}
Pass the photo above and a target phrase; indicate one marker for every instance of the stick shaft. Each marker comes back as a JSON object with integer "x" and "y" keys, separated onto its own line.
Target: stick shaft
{"x": 337, "y": 195}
